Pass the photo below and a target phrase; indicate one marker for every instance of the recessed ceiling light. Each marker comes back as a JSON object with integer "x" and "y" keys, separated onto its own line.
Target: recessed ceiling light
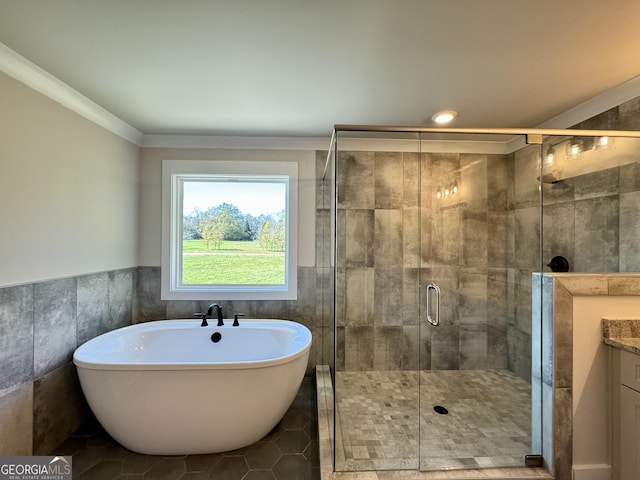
{"x": 444, "y": 117}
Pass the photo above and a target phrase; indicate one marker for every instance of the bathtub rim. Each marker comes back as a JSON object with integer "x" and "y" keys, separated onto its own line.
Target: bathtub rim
{"x": 80, "y": 362}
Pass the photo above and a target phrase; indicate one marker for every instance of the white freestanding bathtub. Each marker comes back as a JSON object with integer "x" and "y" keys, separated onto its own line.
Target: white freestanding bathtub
{"x": 168, "y": 387}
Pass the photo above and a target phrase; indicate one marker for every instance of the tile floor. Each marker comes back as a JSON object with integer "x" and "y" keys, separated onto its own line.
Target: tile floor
{"x": 487, "y": 425}
{"x": 289, "y": 452}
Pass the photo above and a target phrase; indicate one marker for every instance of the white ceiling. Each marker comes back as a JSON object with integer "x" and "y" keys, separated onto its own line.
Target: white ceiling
{"x": 297, "y": 67}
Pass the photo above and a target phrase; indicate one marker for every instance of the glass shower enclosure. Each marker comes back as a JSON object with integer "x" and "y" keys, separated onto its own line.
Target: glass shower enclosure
{"x": 435, "y": 237}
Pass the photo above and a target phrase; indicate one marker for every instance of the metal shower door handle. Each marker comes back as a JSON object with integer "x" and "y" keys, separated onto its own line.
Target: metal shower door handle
{"x": 431, "y": 320}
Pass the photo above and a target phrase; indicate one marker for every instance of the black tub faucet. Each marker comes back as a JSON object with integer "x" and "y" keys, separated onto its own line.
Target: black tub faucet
{"x": 219, "y": 309}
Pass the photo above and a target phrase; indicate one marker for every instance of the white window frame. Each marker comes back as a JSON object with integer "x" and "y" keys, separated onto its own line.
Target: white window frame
{"x": 174, "y": 173}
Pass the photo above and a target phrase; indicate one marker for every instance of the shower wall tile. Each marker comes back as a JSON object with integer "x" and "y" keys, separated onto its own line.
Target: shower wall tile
{"x": 523, "y": 301}
{"x": 473, "y": 347}
{"x": 323, "y": 238}
{"x": 359, "y": 237}
{"x": 457, "y": 237}
{"x": 630, "y": 232}
{"x": 474, "y": 238}
{"x": 341, "y": 244}
{"x": 54, "y": 315}
{"x": 59, "y": 408}
{"x": 93, "y": 306}
{"x": 498, "y": 183}
{"x": 473, "y": 181}
{"x": 497, "y": 239}
{"x": 597, "y": 184}
{"x": 597, "y": 246}
{"x": 497, "y": 351}
{"x": 445, "y": 236}
{"x": 497, "y": 297}
{"x": 16, "y": 340}
{"x": 359, "y": 348}
{"x": 411, "y": 237}
{"x": 388, "y": 180}
{"x": 410, "y": 350}
{"x": 340, "y": 347}
{"x": 519, "y": 344}
{"x": 387, "y": 343}
{"x": 359, "y": 296}
{"x": 630, "y": 176}
{"x": 121, "y": 284}
{"x": 525, "y": 177}
{"x": 16, "y": 420}
{"x": 322, "y": 187}
{"x": 411, "y": 286}
{"x": 629, "y": 115}
{"x": 472, "y": 297}
{"x": 559, "y": 232}
{"x": 607, "y": 120}
{"x": 427, "y": 239}
{"x": 387, "y": 300}
{"x": 388, "y": 237}
{"x": 411, "y": 180}
{"x": 443, "y": 167}
{"x": 341, "y": 295}
{"x": 425, "y": 332}
{"x": 445, "y": 347}
{"x": 356, "y": 174}
{"x": 526, "y": 231}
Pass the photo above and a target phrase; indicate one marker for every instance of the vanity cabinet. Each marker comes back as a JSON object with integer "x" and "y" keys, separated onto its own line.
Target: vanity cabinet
{"x": 626, "y": 415}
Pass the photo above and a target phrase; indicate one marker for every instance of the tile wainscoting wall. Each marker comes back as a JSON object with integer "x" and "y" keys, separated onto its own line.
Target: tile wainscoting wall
{"x": 41, "y": 325}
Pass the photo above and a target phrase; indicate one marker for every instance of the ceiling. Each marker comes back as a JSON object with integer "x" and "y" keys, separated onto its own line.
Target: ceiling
{"x": 297, "y": 67}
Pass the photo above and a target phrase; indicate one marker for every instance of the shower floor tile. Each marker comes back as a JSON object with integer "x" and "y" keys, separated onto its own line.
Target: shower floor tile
{"x": 487, "y": 425}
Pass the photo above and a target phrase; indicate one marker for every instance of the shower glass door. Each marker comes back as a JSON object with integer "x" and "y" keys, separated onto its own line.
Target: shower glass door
{"x": 479, "y": 245}
{"x": 458, "y": 217}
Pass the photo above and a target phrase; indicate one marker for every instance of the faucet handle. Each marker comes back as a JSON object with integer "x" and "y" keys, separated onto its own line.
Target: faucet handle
{"x": 204, "y": 318}
{"x": 235, "y": 319}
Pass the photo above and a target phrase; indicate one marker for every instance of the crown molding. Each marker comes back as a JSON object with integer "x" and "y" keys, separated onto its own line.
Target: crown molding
{"x": 30, "y": 74}
{"x": 235, "y": 142}
{"x": 595, "y": 106}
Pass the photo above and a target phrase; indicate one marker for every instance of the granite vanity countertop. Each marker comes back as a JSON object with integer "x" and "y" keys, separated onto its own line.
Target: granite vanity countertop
{"x": 623, "y": 333}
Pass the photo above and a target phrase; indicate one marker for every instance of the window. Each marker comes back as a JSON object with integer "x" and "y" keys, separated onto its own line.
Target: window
{"x": 229, "y": 230}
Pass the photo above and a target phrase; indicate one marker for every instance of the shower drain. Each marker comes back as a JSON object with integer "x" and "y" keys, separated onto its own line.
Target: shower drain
{"x": 441, "y": 410}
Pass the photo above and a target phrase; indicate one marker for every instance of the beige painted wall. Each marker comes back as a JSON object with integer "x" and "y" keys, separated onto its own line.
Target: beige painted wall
{"x": 591, "y": 377}
{"x": 68, "y": 191}
{"x": 150, "y": 246}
